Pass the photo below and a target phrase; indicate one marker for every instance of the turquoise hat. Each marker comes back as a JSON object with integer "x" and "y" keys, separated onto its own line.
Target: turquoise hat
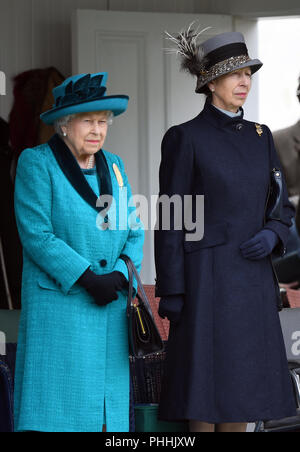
{"x": 84, "y": 93}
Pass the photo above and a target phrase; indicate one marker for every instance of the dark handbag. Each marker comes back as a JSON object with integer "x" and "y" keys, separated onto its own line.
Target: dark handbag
{"x": 288, "y": 266}
{"x": 6, "y": 399}
{"x": 144, "y": 337}
{"x": 273, "y": 211}
{"x": 275, "y": 196}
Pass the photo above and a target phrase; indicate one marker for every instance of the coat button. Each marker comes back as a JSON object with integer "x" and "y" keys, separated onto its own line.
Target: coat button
{"x": 103, "y": 263}
{"x": 239, "y": 127}
{"x": 105, "y": 225}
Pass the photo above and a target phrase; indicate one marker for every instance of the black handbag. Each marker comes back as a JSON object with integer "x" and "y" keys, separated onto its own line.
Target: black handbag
{"x": 6, "y": 399}
{"x": 144, "y": 337}
{"x": 273, "y": 211}
{"x": 275, "y": 196}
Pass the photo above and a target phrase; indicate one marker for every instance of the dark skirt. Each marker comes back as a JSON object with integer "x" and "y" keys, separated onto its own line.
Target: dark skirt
{"x": 226, "y": 359}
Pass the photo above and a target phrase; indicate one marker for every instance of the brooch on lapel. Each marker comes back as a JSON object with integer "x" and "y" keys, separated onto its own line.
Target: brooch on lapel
{"x": 118, "y": 175}
{"x": 259, "y": 129}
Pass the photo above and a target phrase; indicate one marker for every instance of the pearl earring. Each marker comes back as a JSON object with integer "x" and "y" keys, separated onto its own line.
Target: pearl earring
{"x": 64, "y": 134}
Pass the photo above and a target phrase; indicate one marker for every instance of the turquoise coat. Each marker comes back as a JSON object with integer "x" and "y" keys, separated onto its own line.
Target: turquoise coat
{"x": 72, "y": 370}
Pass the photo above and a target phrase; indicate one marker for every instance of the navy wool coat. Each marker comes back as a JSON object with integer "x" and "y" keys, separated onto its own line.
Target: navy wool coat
{"x": 226, "y": 359}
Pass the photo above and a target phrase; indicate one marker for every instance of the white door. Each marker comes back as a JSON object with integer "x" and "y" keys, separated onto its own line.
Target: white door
{"x": 130, "y": 47}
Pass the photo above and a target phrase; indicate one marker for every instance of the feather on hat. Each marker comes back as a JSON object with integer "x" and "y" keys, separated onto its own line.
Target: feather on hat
{"x": 217, "y": 56}
{"x": 189, "y": 50}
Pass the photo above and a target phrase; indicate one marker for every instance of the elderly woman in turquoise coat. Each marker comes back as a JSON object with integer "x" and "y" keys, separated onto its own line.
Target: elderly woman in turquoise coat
{"x": 72, "y": 370}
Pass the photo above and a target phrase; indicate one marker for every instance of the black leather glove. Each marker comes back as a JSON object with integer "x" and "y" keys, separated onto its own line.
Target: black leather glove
{"x": 171, "y": 307}
{"x": 103, "y": 288}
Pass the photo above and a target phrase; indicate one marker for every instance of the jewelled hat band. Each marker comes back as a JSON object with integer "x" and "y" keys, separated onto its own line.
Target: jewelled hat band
{"x": 221, "y": 68}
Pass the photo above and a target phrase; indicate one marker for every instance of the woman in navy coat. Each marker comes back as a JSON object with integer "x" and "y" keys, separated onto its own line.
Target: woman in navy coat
{"x": 226, "y": 363}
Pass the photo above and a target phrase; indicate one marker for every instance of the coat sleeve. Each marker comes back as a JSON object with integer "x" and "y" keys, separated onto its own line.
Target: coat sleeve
{"x": 175, "y": 178}
{"x": 33, "y": 205}
{"x": 133, "y": 247}
{"x": 282, "y": 228}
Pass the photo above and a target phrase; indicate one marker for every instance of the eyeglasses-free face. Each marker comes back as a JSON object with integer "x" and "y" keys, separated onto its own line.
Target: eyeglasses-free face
{"x": 230, "y": 91}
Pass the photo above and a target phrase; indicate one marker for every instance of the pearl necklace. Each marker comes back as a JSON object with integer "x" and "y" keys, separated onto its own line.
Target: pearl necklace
{"x": 91, "y": 162}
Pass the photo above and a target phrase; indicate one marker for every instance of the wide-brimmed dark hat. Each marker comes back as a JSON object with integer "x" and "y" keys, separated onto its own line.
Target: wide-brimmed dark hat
{"x": 219, "y": 55}
{"x": 84, "y": 93}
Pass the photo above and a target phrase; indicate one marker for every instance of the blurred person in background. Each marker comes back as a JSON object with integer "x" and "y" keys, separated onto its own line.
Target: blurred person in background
{"x": 287, "y": 143}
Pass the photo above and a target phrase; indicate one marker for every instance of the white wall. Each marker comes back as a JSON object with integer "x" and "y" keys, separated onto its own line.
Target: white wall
{"x": 234, "y": 7}
{"x": 278, "y": 78}
{"x": 37, "y": 33}
{"x": 264, "y": 8}
{"x": 249, "y": 28}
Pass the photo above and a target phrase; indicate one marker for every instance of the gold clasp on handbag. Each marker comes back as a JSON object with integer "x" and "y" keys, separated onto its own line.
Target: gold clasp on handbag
{"x": 140, "y": 318}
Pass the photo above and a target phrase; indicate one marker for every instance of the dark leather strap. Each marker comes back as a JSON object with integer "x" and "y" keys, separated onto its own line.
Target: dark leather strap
{"x": 132, "y": 272}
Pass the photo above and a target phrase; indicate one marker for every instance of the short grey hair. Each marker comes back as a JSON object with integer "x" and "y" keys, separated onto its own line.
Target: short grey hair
{"x": 64, "y": 120}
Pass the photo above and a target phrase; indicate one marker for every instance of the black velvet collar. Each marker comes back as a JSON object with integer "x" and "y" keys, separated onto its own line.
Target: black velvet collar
{"x": 218, "y": 118}
{"x": 73, "y": 173}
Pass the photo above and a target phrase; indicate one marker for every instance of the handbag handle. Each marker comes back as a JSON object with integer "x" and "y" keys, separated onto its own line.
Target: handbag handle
{"x": 132, "y": 271}
{"x": 5, "y": 277}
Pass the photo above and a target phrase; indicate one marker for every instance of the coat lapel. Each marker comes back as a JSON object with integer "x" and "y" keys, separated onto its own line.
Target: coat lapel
{"x": 73, "y": 173}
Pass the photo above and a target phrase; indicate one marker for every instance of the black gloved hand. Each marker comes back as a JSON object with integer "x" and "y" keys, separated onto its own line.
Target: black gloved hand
{"x": 171, "y": 307}
{"x": 103, "y": 288}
